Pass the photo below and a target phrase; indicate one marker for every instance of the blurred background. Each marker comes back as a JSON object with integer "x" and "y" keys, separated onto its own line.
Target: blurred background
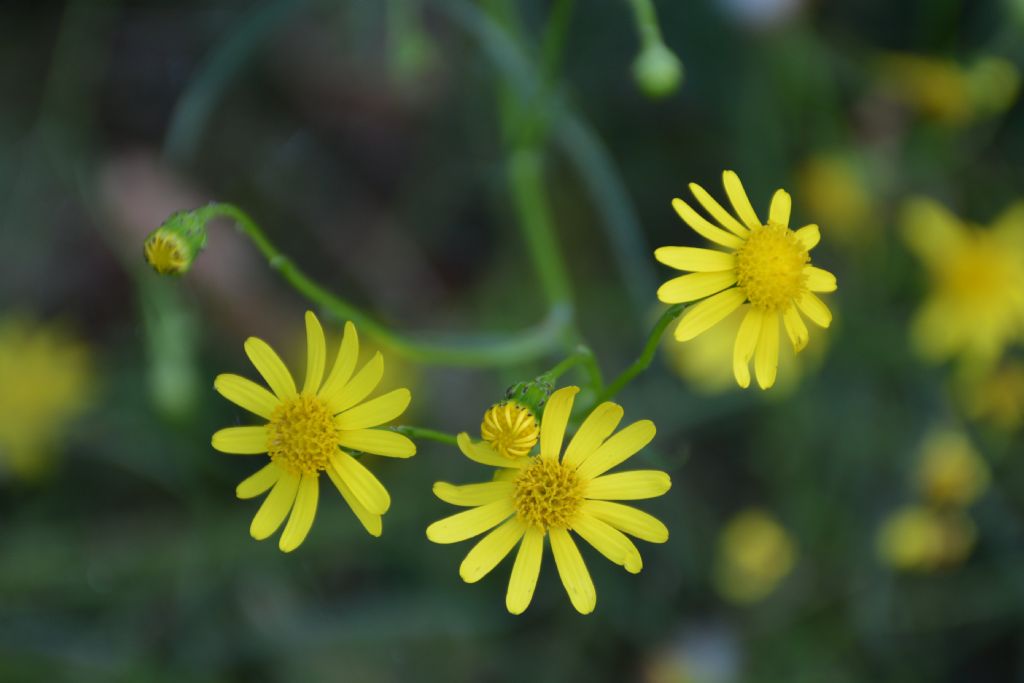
{"x": 863, "y": 521}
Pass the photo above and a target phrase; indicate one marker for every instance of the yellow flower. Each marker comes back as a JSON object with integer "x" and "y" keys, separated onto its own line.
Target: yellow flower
{"x": 547, "y": 496}
{"x": 998, "y": 397}
{"x": 754, "y": 554}
{"x": 976, "y": 304}
{"x": 510, "y": 429}
{"x": 836, "y": 191}
{"x": 922, "y": 539}
{"x": 951, "y": 472}
{"x": 307, "y": 432}
{"x": 47, "y": 379}
{"x": 766, "y": 272}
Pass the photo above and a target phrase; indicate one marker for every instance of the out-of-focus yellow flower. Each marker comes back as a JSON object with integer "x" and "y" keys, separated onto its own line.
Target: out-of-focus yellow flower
{"x": 918, "y": 538}
{"x": 975, "y": 306}
{"x": 835, "y": 191}
{"x": 944, "y": 91}
{"x": 552, "y": 494}
{"x": 510, "y": 429}
{"x": 998, "y": 397}
{"x": 951, "y": 471}
{"x": 755, "y": 553}
{"x": 309, "y": 431}
{"x": 46, "y": 377}
{"x": 765, "y": 271}
{"x": 172, "y": 248}
{"x": 705, "y": 363}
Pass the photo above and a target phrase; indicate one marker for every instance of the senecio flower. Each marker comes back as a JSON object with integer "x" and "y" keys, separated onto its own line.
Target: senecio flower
{"x": 551, "y": 494}
{"x": 975, "y": 307}
{"x": 311, "y": 431}
{"x": 766, "y": 271}
{"x": 510, "y": 429}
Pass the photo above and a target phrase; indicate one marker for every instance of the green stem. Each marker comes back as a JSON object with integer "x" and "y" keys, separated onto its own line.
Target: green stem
{"x": 423, "y": 433}
{"x": 581, "y": 355}
{"x": 553, "y": 46}
{"x": 509, "y": 349}
{"x": 646, "y": 22}
{"x": 646, "y": 356}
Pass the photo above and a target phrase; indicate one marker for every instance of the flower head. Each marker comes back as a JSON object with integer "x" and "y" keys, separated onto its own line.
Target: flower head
{"x": 951, "y": 471}
{"x": 309, "y": 431}
{"x": 918, "y": 538}
{"x": 171, "y": 248}
{"x": 754, "y": 554}
{"x": 766, "y": 271}
{"x": 511, "y": 429}
{"x": 998, "y": 397}
{"x": 47, "y": 378}
{"x": 975, "y": 307}
{"x": 552, "y": 494}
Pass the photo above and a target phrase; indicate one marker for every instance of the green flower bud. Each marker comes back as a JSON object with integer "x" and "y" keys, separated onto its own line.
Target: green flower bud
{"x": 171, "y": 248}
{"x": 657, "y": 71}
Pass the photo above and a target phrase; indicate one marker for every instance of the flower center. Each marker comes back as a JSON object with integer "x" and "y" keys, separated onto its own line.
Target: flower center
{"x": 979, "y": 274}
{"x": 770, "y": 267}
{"x": 301, "y": 435}
{"x": 511, "y": 430}
{"x": 547, "y": 494}
{"x": 166, "y": 254}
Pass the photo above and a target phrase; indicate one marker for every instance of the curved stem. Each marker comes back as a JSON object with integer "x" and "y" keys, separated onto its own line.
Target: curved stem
{"x": 424, "y": 433}
{"x": 646, "y": 20}
{"x": 581, "y": 355}
{"x": 506, "y": 349}
{"x": 646, "y": 356}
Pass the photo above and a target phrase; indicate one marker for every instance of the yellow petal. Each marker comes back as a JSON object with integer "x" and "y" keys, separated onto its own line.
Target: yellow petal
{"x": 598, "y": 426}
{"x": 633, "y": 485}
{"x": 619, "y": 448}
{"x": 746, "y": 342}
{"x": 695, "y": 259}
{"x": 608, "y": 541}
{"x": 701, "y": 317}
{"x": 344, "y": 363}
{"x": 303, "y": 514}
{"x": 819, "y": 280}
{"x": 809, "y": 236}
{"x": 627, "y": 519}
{"x": 795, "y": 328}
{"x": 241, "y": 440}
{"x": 371, "y": 522}
{"x": 258, "y": 483}
{"x": 695, "y": 286}
{"x": 470, "y": 523}
{"x": 271, "y": 367}
{"x": 717, "y": 211}
{"x": 481, "y": 452}
{"x": 275, "y": 507}
{"x": 378, "y": 442}
{"x": 359, "y": 387}
{"x": 491, "y": 550}
{"x": 573, "y": 571}
{"x": 473, "y": 495}
{"x": 766, "y": 358}
{"x": 554, "y": 420}
{"x": 930, "y": 230}
{"x": 376, "y": 412}
{"x": 739, "y": 200}
{"x": 525, "y": 571}
{"x": 781, "y": 205}
{"x": 246, "y": 394}
{"x": 316, "y": 354}
{"x": 364, "y": 486}
{"x": 703, "y": 228}
{"x": 815, "y": 309}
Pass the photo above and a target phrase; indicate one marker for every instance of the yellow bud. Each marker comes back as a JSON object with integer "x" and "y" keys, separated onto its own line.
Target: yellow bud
{"x": 511, "y": 429}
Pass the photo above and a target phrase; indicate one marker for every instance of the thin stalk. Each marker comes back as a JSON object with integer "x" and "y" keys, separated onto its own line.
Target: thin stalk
{"x": 424, "y": 433}
{"x": 646, "y": 356}
{"x": 505, "y": 350}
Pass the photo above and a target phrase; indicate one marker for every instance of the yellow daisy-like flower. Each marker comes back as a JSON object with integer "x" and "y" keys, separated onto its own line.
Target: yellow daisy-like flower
{"x": 309, "y": 431}
{"x": 766, "y": 270}
{"x": 510, "y": 429}
{"x": 976, "y": 304}
{"x": 47, "y": 378}
{"x": 755, "y": 553}
{"x": 951, "y": 471}
{"x": 918, "y": 538}
{"x": 548, "y": 496}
